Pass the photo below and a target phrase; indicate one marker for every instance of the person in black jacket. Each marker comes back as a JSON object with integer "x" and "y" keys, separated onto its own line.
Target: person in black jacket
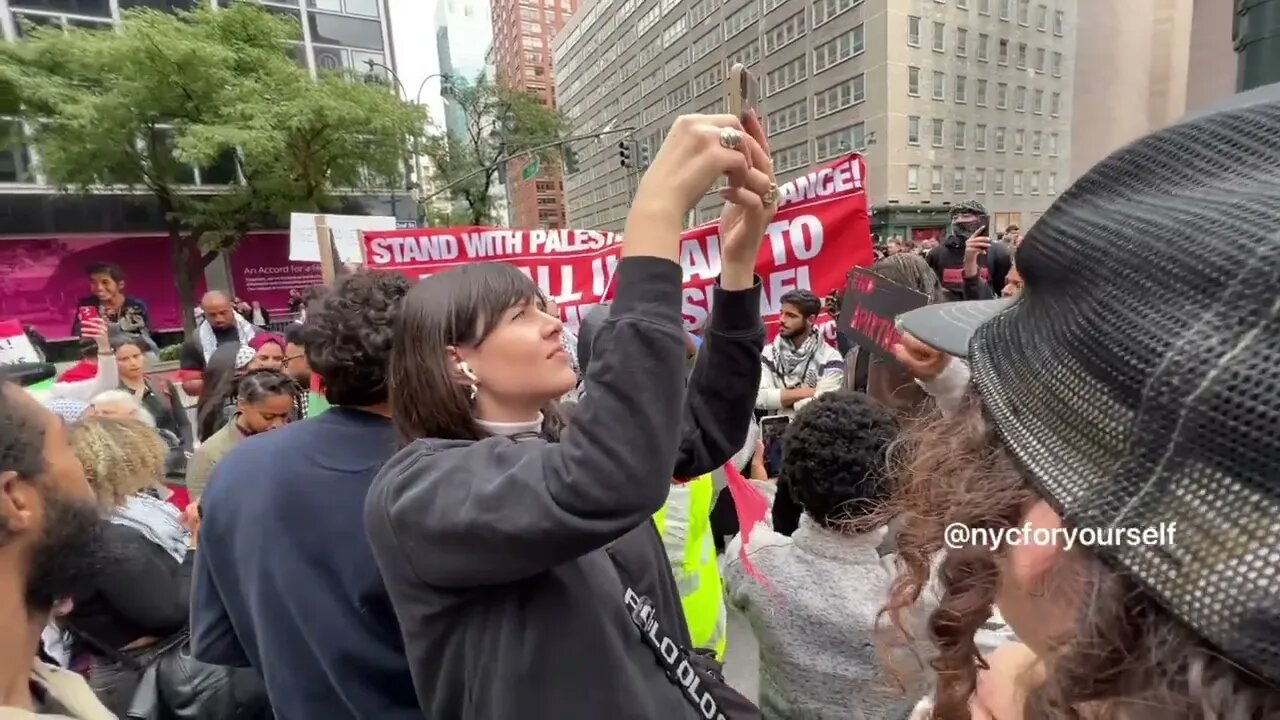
{"x": 523, "y": 569}
{"x": 969, "y": 236}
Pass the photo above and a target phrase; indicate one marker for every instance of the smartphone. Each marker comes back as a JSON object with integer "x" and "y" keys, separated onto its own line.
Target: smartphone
{"x": 740, "y": 94}
{"x": 88, "y": 312}
{"x": 772, "y": 428}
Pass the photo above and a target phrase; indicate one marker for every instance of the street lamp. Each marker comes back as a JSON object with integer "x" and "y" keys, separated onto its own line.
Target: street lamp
{"x": 417, "y": 100}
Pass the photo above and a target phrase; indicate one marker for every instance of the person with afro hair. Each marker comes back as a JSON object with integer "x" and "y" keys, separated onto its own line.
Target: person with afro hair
{"x": 815, "y": 614}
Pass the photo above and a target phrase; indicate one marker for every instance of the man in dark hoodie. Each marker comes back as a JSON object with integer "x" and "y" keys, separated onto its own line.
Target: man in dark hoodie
{"x": 969, "y": 235}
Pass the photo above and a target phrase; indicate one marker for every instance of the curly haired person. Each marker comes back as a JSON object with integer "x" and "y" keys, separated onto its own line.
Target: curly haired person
{"x": 815, "y": 616}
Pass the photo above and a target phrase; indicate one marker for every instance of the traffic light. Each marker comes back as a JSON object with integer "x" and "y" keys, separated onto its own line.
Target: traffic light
{"x": 570, "y": 160}
{"x": 624, "y": 153}
{"x": 643, "y": 155}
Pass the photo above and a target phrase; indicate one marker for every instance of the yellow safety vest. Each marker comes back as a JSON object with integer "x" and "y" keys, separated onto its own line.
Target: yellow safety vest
{"x": 685, "y": 526}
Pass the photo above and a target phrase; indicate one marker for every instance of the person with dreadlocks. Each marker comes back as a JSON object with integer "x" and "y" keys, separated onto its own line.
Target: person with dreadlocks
{"x": 967, "y": 252}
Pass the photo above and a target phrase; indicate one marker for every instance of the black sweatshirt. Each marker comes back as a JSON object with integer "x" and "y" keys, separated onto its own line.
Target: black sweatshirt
{"x": 493, "y": 552}
{"x": 143, "y": 592}
{"x": 947, "y": 261}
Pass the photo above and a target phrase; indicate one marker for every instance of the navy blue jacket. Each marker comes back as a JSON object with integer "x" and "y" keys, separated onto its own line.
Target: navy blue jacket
{"x": 285, "y": 580}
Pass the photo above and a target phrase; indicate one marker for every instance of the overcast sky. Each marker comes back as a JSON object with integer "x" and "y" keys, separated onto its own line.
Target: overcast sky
{"x": 414, "y": 35}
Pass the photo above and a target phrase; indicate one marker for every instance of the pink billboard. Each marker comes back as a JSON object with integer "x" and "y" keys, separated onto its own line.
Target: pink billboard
{"x": 44, "y": 276}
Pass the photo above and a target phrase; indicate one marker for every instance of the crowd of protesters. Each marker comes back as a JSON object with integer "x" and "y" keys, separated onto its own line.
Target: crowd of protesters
{"x": 494, "y": 518}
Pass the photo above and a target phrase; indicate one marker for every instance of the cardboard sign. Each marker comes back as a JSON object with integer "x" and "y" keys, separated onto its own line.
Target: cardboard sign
{"x": 304, "y": 244}
{"x": 869, "y": 308}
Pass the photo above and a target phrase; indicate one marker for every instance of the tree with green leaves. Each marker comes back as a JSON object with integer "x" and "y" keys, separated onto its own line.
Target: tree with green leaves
{"x": 500, "y": 122}
{"x": 145, "y": 105}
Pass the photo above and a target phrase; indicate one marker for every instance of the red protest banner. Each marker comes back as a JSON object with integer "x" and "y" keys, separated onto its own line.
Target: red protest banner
{"x": 821, "y": 230}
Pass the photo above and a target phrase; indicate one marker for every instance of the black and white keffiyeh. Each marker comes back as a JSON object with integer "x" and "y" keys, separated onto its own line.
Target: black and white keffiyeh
{"x": 795, "y": 366}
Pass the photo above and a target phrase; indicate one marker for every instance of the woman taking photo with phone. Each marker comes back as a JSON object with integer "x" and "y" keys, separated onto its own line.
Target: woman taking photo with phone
{"x": 521, "y": 568}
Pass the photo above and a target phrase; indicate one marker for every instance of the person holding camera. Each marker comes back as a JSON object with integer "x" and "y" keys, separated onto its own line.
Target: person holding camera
{"x": 967, "y": 260}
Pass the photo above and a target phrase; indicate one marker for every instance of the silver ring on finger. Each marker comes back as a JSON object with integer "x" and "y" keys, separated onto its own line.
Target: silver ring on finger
{"x": 772, "y": 196}
{"x": 730, "y": 139}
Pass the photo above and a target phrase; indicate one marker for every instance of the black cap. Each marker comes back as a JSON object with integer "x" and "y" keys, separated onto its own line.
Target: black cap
{"x": 1135, "y": 379}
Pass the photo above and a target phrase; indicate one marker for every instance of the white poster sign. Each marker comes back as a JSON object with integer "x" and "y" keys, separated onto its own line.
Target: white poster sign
{"x": 303, "y": 246}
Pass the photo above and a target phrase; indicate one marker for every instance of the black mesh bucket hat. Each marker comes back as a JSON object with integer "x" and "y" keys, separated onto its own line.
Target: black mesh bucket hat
{"x": 1136, "y": 379}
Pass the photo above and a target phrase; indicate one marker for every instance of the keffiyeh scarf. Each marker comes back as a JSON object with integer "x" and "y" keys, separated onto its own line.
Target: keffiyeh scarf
{"x": 794, "y": 366}
{"x": 157, "y": 520}
{"x": 209, "y": 342}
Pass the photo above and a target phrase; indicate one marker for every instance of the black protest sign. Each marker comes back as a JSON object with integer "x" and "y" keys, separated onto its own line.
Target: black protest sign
{"x": 870, "y": 305}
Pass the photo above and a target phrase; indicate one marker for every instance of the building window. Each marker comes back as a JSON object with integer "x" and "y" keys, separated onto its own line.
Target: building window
{"x": 791, "y": 116}
{"x": 980, "y": 98}
{"x": 1042, "y": 18}
{"x": 962, "y": 42}
{"x": 1019, "y": 141}
{"x": 1022, "y": 56}
{"x": 1058, "y": 22}
{"x": 824, "y": 10}
{"x": 840, "y": 142}
{"x": 15, "y": 157}
{"x": 939, "y": 37}
{"x": 785, "y": 32}
{"x": 1020, "y": 99}
{"x": 939, "y": 85}
{"x": 1051, "y": 184}
{"x": 997, "y": 182}
{"x": 838, "y": 97}
{"x": 741, "y": 20}
{"x": 749, "y": 54}
{"x": 984, "y": 7}
{"x": 962, "y": 4}
{"x": 1037, "y": 102}
{"x": 913, "y": 81}
{"x": 100, "y": 8}
{"x": 796, "y": 156}
{"x": 1055, "y": 101}
{"x": 913, "y": 129}
{"x": 1002, "y": 56}
{"x": 913, "y": 31}
{"x": 1035, "y": 182}
{"x": 962, "y": 89}
{"x": 913, "y": 178}
{"x": 961, "y": 133}
{"x": 675, "y": 31}
{"x": 935, "y": 184}
{"x": 1053, "y": 144}
{"x": 980, "y": 137}
{"x": 984, "y": 47}
{"x": 979, "y": 181}
{"x": 1002, "y": 96}
{"x": 710, "y": 79}
{"x": 1057, "y": 64}
{"x": 957, "y": 180}
{"x": 1037, "y": 141}
{"x": 1000, "y": 146}
{"x": 1024, "y": 12}
{"x": 675, "y": 65}
{"x": 679, "y": 97}
{"x": 700, "y": 10}
{"x": 785, "y": 76}
{"x": 1017, "y": 182}
{"x": 706, "y": 44}
{"x": 346, "y": 31}
{"x": 1006, "y": 9}
{"x": 938, "y": 125}
{"x": 838, "y": 50}
{"x": 1039, "y": 66}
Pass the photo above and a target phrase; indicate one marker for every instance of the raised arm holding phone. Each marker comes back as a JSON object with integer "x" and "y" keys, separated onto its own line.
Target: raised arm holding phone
{"x": 520, "y": 566}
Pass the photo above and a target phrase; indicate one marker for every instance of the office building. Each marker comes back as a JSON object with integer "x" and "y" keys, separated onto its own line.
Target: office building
{"x": 523, "y": 31}
{"x": 464, "y": 36}
{"x": 47, "y": 237}
{"x": 1132, "y": 64}
{"x": 948, "y": 99}
{"x": 464, "y": 32}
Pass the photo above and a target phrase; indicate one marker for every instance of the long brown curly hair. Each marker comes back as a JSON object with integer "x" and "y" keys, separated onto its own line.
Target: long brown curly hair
{"x": 121, "y": 456}
{"x": 1124, "y": 656}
